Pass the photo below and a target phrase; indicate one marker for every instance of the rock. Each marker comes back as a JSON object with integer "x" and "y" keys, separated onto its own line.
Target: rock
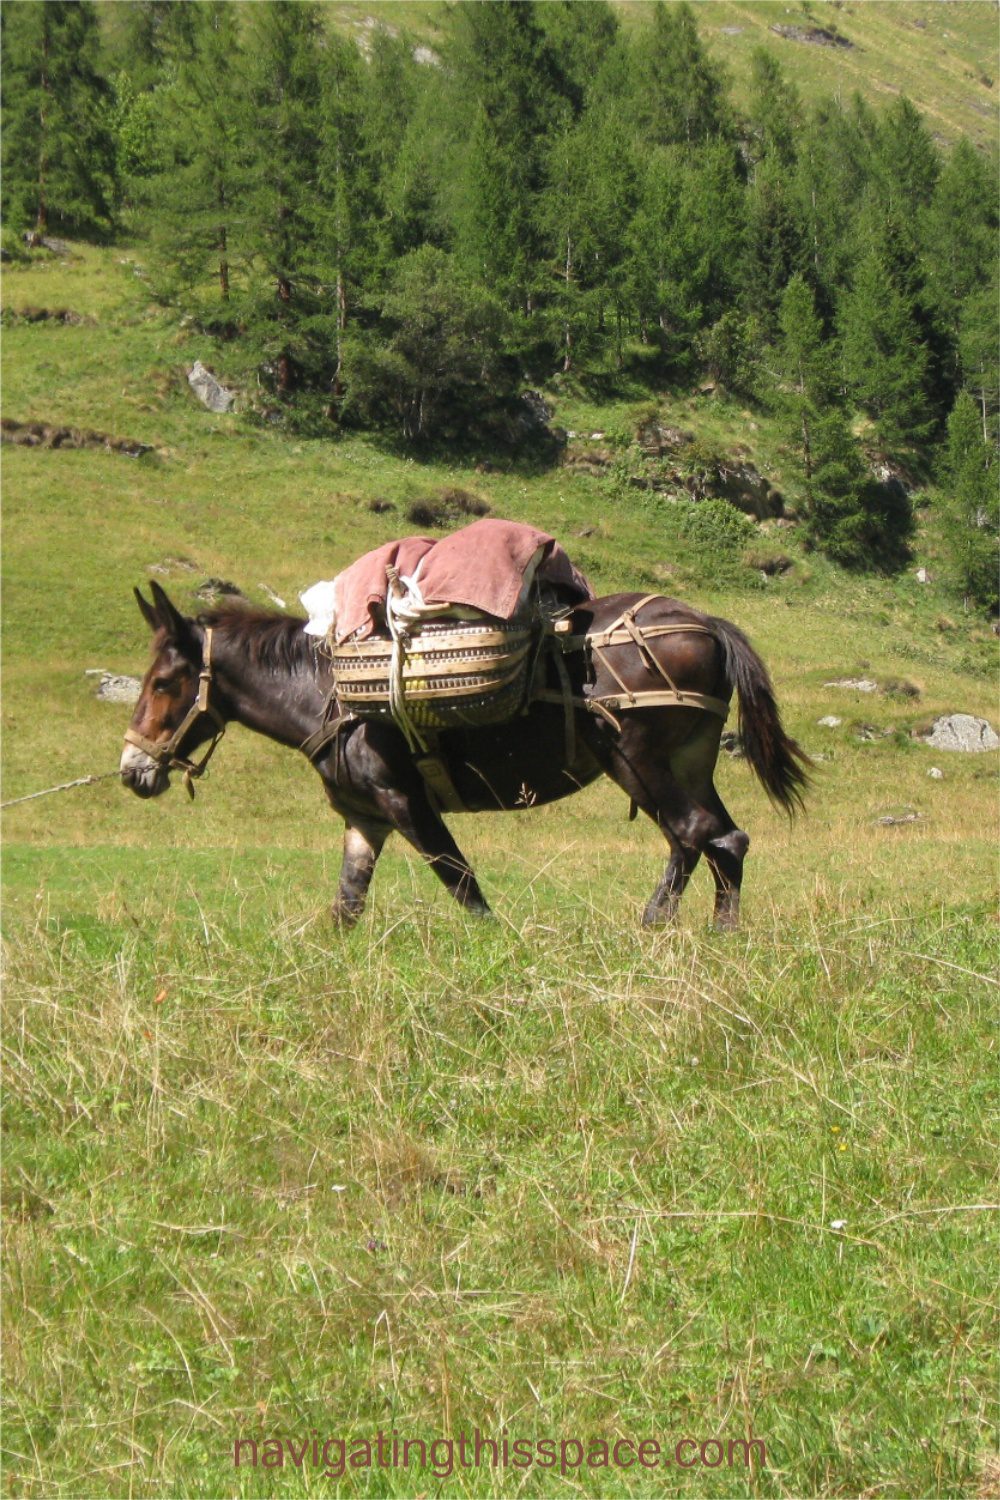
{"x": 935, "y": 773}
{"x": 115, "y": 688}
{"x": 597, "y": 437}
{"x": 36, "y": 241}
{"x": 869, "y": 733}
{"x": 830, "y": 721}
{"x": 42, "y": 435}
{"x": 922, "y": 575}
{"x": 962, "y": 732}
{"x": 859, "y": 684}
{"x": 656, "y": 439}
{"x": 208, "y": 390}
{"x": 748, "y": 490}
{"x": 592, "y": 461}
{"x": 218, "y": 588}
{"x": 537, "y": 407}
{"x": 819, "y": 36}
{"x": 902, "y": 815}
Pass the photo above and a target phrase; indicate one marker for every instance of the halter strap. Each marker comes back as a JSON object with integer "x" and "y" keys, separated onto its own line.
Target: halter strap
{"x": 163, "y": 752}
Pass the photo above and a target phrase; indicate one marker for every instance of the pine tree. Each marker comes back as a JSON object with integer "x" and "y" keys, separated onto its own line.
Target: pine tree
{"x": 971, "y": 504}
{"x": 510, "y": 87}
{"x": 977, "y": 347}
{"x": 669, "y": 262}
{"x": 58, "y": 149}
{"x": 835, "y": 514}
{"x": 804, "y": 368}
{"x": 288, "y": 306}
{"x": 885, "y": 363}
{"x": 855, "y": 521}
{"x": 832, "y": 172}
{"x": 587, "y": 211}
{"x": 906, "y": 158}
{"x": 581, "y": 37}
{"x": 960, "y": 232}
{"x": 345, "y": 210}
{"x": 438, "y": 370}
{"x": 775, "y": 116}
{"x": 773, "y": 247}
{"x": 682, "y": 89}
{"x": 194, "y": 199}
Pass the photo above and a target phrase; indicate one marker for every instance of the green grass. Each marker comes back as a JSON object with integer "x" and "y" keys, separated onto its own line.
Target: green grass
{"x": 561, "y": 1182}
{"x": 554, "y": 1175}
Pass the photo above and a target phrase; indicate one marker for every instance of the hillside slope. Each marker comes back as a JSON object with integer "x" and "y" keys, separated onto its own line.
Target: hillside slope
{"x": 219, "y": 499}
{"x": 944, "y": 57}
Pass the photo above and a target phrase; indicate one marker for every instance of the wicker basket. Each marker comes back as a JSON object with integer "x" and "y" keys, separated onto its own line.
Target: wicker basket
{"x": 454, "y": 673}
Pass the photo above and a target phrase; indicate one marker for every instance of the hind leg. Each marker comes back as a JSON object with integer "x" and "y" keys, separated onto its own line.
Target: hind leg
{"x": 663, "y": 904}
{"x": 725, "y": 856}
{"x": 693, "y": 764}
{"x": 636, "y": 760}
{"x": 725, "y": 850}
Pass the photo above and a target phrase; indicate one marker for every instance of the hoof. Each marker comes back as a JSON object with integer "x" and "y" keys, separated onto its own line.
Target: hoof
{"x": 343, "y": 916}
{"x": 659, "y": 916}
{"x": 726, "y": 922}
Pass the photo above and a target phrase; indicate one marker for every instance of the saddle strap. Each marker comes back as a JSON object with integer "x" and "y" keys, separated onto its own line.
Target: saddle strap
{"x": 618, "y": 635}
{"x": 649, "y": 698}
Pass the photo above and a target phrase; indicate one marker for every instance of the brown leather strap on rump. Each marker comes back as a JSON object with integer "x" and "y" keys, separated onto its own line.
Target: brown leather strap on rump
{"x": 626, "y": 631}
{"x": 649, "y": 698}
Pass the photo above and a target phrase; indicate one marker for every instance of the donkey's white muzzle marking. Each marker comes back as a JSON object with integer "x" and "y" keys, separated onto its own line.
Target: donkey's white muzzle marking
{"x": 141, "y": 774}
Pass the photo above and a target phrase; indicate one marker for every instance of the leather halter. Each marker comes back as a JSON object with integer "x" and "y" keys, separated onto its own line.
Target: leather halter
{"x": 164, "y": 752}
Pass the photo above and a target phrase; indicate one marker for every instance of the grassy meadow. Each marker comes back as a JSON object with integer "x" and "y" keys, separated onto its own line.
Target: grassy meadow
{"x": 552, "y": 1177}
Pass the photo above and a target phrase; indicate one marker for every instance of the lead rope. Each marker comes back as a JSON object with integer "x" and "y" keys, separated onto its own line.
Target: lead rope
{"x": 64, "y": 786}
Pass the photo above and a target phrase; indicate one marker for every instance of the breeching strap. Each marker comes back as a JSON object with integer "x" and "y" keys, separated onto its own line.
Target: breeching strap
{"x": 626, "y": 631}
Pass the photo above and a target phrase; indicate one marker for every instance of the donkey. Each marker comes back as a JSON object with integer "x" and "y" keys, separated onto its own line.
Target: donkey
{"x": 600, "y": 708}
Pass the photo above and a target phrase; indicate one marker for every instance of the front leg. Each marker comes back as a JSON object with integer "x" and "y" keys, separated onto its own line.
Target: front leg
{"x": 422, "y": 826}
{"x": 362, "y": 846}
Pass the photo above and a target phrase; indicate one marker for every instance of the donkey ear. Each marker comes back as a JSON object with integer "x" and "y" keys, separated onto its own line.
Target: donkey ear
{"x": 177, "y": 626}
{"x": 147, "y": 611}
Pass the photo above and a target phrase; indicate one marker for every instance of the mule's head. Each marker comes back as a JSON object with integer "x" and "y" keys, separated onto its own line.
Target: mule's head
{"x": 168, "y": 700}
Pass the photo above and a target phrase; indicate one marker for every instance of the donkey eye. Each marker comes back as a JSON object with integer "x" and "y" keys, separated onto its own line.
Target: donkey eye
{"x": 163, "y": 685}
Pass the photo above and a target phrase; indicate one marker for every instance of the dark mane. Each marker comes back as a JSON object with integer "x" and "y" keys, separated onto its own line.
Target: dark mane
{"x": 273, "y": 641}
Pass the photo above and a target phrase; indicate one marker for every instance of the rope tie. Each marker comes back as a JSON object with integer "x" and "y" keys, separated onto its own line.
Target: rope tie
{"x": 397, "y": 688}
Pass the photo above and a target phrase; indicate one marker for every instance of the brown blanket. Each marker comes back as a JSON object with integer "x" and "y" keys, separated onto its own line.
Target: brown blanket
{"x": 481, "y": 567}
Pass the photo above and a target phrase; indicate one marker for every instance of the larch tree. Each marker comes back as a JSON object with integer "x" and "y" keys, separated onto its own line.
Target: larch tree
{"x": 195, "y": 201}
{"x": 58, "y": 147}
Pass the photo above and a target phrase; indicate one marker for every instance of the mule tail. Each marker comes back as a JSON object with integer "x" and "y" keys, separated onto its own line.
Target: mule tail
{"x": 781, "y": 765}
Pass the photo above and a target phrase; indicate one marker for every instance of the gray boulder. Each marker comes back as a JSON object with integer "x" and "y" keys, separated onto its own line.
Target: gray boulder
{"x": 962, "y": 732}
{"x": 115, "y": 688}
{"x": 208, "y": 390}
